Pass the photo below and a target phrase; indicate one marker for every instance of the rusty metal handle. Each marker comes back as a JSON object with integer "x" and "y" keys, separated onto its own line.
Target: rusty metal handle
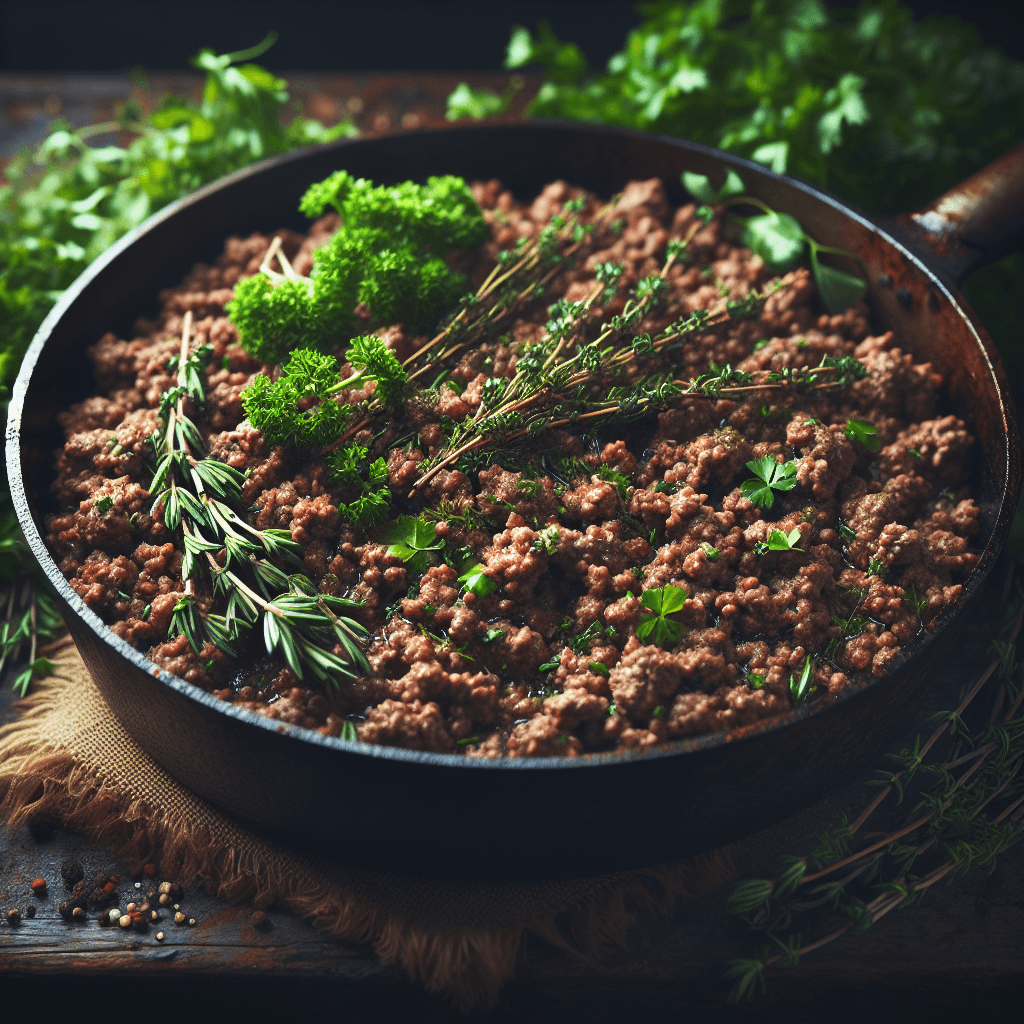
{"x": 975, "y": 222}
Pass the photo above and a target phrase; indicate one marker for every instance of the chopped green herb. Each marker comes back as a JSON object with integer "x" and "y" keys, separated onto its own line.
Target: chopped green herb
{"x": 468, "y": 740}
{"x": 547, "y": 540}
{"x": 661, "y": 602}
{"x": 848, "y": 536}
{"x": 800, "y": 686}
{"x": 614, "y": 477}
{"x": 598, "y": 668}
{"x": 548, "y": 666}
{"x": 865, "y": 432}
{"x": 710, "y": 553}
{"x": 475, "y": 581}
{"x": 348, "y": 730}
{"x": 413, "y": 540}
{"x": 103, "y": 505}
{"x": 918, "y": 602}
{"x": 493, "y": 634}
{"x": 876, "y": 567}
{"x": 769, "y": 476}
{"x": 658, "y": 712}
{"x": 915, "y": 453}
{"x": 755, "y": 680}
{"x": 779, "y": 541}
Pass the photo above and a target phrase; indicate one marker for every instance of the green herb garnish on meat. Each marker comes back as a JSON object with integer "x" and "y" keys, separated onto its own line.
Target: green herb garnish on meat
{"x": 769, "y": 476}
{"x": 864, "y": 432}
{"x": 661, "y": 602}
{"x": 800, "y": 685}
{"x": 779, "y": 541}
{"x": 388, "y": 253}
{"x": 202, "y": 498}
{"x": 414, "y": 541}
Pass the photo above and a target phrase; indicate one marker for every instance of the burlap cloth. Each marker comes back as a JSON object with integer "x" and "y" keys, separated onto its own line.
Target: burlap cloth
{"x": 67, "y": 756}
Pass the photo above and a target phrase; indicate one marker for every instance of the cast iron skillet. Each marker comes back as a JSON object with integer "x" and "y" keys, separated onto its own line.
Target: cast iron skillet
{"x": 444, "y": 814}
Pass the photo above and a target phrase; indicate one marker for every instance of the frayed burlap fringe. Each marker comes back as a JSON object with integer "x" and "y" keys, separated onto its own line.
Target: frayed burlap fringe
{"x": 67, "y": 757}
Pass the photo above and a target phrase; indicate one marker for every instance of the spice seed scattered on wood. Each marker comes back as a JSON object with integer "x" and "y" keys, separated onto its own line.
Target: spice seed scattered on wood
{"x": 124, "y": 920}
{"x": 14, "y": 916}
{"x": 30, "y": 911}
{"x": 114, "y": 916}
{"x": 154, "y": 916}
{"x": 78, "y": 914}
{"x": 165, "y": 899}
{"x": 258, "y": 919}
{"x": 191, "y": 922}
{"x": 65, "y": 908}
{"x": 71, "y": 872}
{"x": 39, "y": 887}
{"x": 159, "y": 936}
{"x": 131, "y": 907}
{"x": 165, "y": 887}
{"x": 179, "y": 918}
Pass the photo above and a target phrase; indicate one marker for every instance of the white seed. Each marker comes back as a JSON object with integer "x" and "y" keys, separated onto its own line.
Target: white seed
{"x": 179, "y": 918}
{"x": 159, "y": 936}
{"x": 124, "y": 921}
{"x": 165, "y": 887}
{"x": 177, "y": 906}
{"x": 114, "y": 916}
{"x": 154, "y": 916}
{"x": 165, "y": 900}
{"x": 138, "y": 885}
{"x": 131, "y": 907}
{"x": 191, "y": 922}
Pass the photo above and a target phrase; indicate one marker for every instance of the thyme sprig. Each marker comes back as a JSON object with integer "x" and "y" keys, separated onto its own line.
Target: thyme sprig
{"x": 230, "y": 564}
{"x": 968, "y": 808}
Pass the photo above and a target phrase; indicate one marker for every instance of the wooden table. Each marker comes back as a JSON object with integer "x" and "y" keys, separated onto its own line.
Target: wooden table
{"x": 962, "y": 950}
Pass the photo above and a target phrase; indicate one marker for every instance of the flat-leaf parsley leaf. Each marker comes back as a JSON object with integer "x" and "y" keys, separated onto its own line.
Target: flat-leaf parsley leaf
{"x": 661, "y": 602}
{"x": 769, "y": 476}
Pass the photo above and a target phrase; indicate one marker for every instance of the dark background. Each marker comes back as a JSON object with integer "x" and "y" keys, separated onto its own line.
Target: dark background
{"x": 319, "y": 35}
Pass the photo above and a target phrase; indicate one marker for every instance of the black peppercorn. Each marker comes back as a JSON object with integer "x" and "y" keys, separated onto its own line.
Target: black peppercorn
{"x": 72, "y": 873}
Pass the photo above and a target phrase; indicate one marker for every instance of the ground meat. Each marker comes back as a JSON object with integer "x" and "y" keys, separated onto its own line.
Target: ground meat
{"x": 532, "y": 627}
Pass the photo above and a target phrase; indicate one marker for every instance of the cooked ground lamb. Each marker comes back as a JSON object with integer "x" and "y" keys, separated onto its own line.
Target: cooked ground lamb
{"x": 549, "y": 662}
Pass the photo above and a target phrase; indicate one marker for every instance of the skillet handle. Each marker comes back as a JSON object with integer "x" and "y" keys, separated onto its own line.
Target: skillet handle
{"x": 975, "y": 222}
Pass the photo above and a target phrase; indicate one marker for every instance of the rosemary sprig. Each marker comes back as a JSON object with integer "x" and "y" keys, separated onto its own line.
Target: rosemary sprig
{"x": 969, "y": 808}
{"x": 230, "y": 564}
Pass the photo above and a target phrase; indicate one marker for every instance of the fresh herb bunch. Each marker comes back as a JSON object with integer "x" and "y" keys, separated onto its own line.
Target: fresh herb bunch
{"x": 869, "y": 102}
{"x": 388, "y": 253}
{"x": 66, "y": 201}
{"x": 232, "y": 565}
{"x": 966, "y": 797}
{"x": 886, "y": 110}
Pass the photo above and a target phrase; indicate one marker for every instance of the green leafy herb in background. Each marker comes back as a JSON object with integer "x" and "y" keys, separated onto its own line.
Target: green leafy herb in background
{"x": 67, "y": 201}
{"x": 883, "y": 109}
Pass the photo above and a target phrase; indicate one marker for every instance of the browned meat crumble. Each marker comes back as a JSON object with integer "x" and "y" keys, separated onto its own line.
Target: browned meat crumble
{"x": 453, "y": 672}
